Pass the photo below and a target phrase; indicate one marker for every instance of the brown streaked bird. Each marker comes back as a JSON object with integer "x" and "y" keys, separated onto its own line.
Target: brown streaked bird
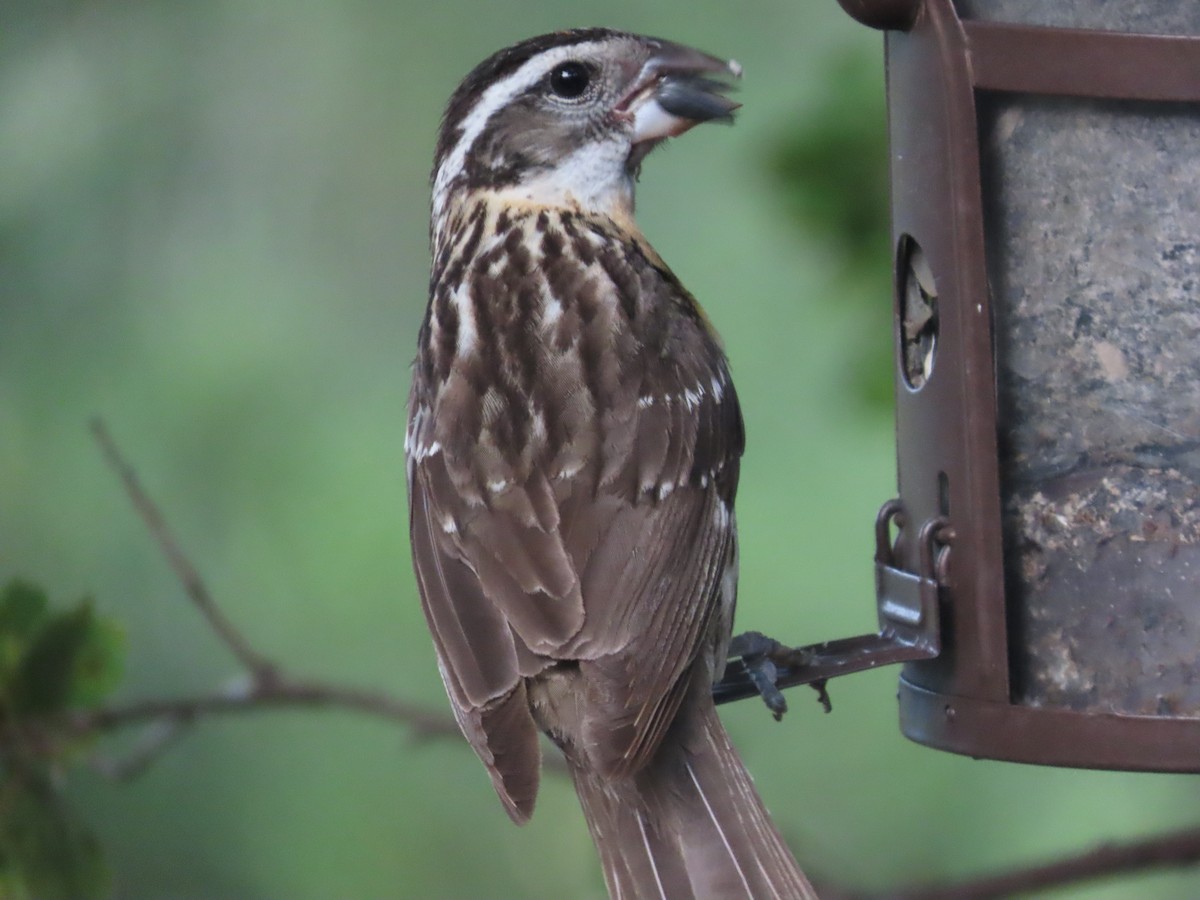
{"x": 573, "y": 448}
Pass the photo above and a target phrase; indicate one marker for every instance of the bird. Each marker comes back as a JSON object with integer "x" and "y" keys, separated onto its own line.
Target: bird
{"x": 573, "y": 449}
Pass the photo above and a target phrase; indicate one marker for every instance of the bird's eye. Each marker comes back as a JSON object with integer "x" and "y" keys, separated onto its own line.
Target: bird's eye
{"x": 570, "y": 79}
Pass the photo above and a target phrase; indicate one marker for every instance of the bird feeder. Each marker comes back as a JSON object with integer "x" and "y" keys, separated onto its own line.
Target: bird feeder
{"x": 1039, "y": 572}
{"x": 1046, "y": 231}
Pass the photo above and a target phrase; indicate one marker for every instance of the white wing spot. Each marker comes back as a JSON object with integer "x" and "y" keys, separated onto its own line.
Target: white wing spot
{"x": 414, "y": 426}
{"x": 552, "y": 311}
{"x": 467, "y": 335}
{"x": 539, "y": 426}
{"x": 568, "y": 472}
{"x": 424, "y": 451}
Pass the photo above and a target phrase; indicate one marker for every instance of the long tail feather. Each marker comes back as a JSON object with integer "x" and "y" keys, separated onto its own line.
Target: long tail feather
{"x": 689, "y": 826}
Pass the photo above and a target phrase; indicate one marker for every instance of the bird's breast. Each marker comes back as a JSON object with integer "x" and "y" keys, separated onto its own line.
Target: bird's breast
{"x": 552, "y": 343}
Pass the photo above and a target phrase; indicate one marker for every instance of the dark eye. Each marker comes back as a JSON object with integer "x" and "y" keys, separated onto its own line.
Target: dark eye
{"x": 570, "y": 79}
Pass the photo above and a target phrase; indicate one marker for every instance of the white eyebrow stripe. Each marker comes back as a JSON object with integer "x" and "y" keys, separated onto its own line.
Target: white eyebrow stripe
{"x": 493, "y": 100}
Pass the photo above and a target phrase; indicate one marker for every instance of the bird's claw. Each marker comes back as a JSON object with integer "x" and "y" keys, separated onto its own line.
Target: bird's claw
{"x": 762, "y": 656}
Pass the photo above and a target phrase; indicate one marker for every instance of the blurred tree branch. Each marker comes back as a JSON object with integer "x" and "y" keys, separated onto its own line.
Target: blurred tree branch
{"x": 262, "y": 670}
{"x": 266, "y": 685}
{"x": 1176, "y": 849}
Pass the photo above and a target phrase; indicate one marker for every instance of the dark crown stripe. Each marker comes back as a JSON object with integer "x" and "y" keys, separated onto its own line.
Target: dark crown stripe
{"x": 494, "y": 69}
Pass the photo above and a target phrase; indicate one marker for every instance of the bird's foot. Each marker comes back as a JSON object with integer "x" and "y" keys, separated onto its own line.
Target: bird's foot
{"x": 763, "y": 657}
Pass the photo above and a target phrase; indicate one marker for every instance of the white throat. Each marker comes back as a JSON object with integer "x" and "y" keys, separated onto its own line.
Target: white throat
{"x": 593, "y": 178}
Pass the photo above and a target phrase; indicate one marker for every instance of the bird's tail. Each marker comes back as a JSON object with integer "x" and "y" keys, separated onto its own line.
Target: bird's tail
{"x": 690, "y": 824}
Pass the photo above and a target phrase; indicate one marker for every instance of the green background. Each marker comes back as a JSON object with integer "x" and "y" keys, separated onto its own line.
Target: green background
{"x": 213, "y": 233}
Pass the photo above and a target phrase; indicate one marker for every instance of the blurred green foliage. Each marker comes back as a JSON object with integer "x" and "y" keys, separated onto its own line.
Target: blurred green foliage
{"x": 831, "y": 169}
{"x": 52, "y": 662}
{"x": 832, "y": 164}
{"x": 213, "y": 233}
{"x": 46, "y": 852}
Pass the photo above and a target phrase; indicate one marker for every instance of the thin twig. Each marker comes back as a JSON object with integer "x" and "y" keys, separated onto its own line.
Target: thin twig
{"x": 155, "y": 740}
{"x": 189, "y": 577}
{"x": 163, "y": 717}
{"x": 1165, "y": 851}
{"x": 265, "y": 686}
{"x": 281, "y": 691}
{"x": 1177, "y": 849}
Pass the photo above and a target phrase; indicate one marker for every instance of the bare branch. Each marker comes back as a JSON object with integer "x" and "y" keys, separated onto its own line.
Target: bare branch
{"x": 155, "y": 740}
{"x": 164, "y": 718}
{"x": 265, "y": 685}
{"x": 189, "y": 577}
{"x": 1178, "y": 849}
{"x": 279, "y": 692}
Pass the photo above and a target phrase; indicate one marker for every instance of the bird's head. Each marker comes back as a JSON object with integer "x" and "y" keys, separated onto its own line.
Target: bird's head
{"x": 565, "y": 119}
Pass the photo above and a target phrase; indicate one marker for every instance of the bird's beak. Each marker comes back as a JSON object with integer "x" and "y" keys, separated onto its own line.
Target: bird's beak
{"x": 677, "y": 87}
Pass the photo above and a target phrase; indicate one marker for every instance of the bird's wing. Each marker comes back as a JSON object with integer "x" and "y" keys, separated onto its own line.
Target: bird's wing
{"x": 652, "y": 589}
{"x": 608, "y": 547}
{"x": 653, "y": 580}
{"x": 477, "y": 654}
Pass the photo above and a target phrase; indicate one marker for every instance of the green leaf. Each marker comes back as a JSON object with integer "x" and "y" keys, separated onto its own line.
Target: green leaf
{"x": 50, "y": 661}
{"x": 45, "y": 851}
{"x": 22, "y": 612}
{"x": 98, "y": 663}
{"x": 22, "y": 608}
{"x": 73, "y": 661}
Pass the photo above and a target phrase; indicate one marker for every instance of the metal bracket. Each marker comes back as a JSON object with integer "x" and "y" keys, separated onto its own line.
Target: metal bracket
{"x": 909, "y": 617}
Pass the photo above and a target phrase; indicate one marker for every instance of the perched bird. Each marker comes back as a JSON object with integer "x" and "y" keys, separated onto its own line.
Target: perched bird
{"x": 573, "y": 448}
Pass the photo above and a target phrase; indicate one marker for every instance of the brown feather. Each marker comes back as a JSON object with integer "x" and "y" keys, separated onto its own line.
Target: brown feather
{"x": 468, "y": 629}
{"x": 689, "y": 825}
{"x": 573, "y": 448}
{"x": 573, "y": 453}
{"x": 551, "y": 544}
{"x": 503, "y": 733}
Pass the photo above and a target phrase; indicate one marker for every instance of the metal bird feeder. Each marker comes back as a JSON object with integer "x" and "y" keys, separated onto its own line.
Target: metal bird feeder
{"x": 1039, "y": 573}
{"x": 1046, "y": 229}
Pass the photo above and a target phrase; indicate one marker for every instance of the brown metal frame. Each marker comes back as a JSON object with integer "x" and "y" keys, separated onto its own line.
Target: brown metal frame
{"x": 940, "y": 584}
{"x": 946, "y": 430}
